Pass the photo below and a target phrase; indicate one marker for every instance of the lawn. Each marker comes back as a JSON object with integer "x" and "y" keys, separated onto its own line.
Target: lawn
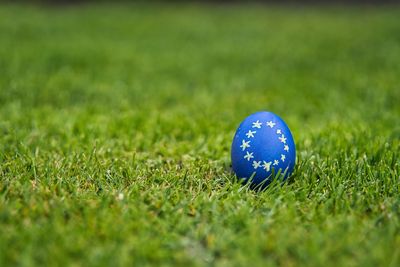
{"x": 116, "y": 123}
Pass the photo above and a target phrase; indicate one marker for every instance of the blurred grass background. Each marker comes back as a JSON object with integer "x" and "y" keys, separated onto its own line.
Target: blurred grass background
{"x": 116, "y": 123}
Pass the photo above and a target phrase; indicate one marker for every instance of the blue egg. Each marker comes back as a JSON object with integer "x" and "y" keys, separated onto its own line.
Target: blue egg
{"x": 262, "y": 147}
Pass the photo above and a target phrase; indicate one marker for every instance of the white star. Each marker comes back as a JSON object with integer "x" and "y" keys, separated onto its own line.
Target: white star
{"x": 283, "y": 139}
{"x": 245, "y": 145}
{"x": 257, "y": 124}
{"x": 283, "y": 157}
{"x": 276, "y": 162}
{"x": 267, "y": 165}
{"x": 249, "y": 155}
{"x": 250, "y": 133}
{"x": 286, "y": 148}
{"x": 278, "y": 131}
{"x": 256, "y": 164}
{"x": 271, "y": 124}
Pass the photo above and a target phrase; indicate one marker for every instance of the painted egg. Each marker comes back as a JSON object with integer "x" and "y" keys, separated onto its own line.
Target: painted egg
{"x": 262, "y": 148}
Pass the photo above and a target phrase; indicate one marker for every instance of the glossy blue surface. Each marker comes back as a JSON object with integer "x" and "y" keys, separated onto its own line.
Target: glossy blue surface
{"x": 263, "y": 145}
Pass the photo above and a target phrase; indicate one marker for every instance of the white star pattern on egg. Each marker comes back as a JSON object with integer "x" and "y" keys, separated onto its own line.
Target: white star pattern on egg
{"x": 250, "y": 133}
{"x": 256, "y": 164}
{"x": 271, "y": 124}
{"x": 282, "y": 139}
{"x": 253, "y": 159}
{"x": 245, "y": 145}
{"x": 257, "y": 124}
{"x": 249, "y": 156}
{"x": 267, "y": 165}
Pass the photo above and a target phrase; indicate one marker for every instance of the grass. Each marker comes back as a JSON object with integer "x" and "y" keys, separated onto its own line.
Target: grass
{"x": 116, "y": 125}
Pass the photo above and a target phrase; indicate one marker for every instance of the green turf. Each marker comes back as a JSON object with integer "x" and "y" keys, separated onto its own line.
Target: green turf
{"x": 116, "y": 124}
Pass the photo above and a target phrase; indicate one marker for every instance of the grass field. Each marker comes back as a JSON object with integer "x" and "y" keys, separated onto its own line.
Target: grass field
{"x": 116, "y": 124}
